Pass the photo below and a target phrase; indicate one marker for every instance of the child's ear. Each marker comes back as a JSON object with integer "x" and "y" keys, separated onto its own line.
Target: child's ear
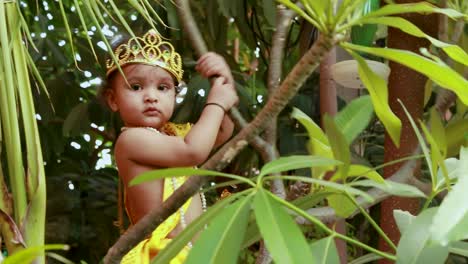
{"x": 111, "y": 100}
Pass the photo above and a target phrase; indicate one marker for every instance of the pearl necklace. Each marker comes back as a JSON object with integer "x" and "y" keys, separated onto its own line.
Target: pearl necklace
{"x": 183, "y": 223}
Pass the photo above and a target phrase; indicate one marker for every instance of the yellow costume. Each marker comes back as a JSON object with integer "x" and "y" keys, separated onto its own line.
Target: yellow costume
{"x": 148, "y": 248}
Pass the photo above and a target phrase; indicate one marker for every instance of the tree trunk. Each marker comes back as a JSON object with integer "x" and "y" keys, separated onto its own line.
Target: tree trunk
{"x": 408, "y": 86}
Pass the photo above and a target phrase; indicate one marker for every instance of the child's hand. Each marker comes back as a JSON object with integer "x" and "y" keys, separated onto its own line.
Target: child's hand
{"x": 222, "y": 93}
{"x": 213, "y": 65}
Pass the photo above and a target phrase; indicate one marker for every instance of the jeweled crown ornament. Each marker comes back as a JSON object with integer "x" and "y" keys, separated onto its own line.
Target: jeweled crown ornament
{"x": 149, "y": 49}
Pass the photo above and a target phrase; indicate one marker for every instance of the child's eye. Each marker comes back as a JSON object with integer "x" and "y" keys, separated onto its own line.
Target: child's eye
{"x": 163, "y": 87}
{"x": 135, "y": 87}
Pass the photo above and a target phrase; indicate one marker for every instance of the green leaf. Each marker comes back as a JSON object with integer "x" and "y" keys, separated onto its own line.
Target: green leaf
{"x": 436, "y": 155}
{"x": 182, "y": 239}
{"x": 341, "y": 204}
{"x": 318, "y": 142}
{"x": 364, "y": 171}
{"x": 28, "y": 255}
{"x": 440, "y": 73}
{"x": 296, "y": 162}
{"x": 422, "y": 143}
{"x": 455, "y": 136}
{"x": 283, "y": 238}
{"x": 391, "y": 187}
{"x": 453, "y": 51}
{"x": 421, "y": 7}
{"x": 414, "y": 247}
{"x": 312, "y": 128}
{"x": 355, "y": 117}
{"x": 459, "y": 248}
{"x": 403, "y": 219}
{"x": 438, "y": 131}
{"x": 180, "y": 172}
{"x": 452, "y": 172}
{"x": 221, "y": 242}
{"x": 452, "y": 211}
{"x": 366, "y": 259}
{"x": 339, "y": 145}
{"x": 324, "y": 250}
{"x": 377, "y": 88}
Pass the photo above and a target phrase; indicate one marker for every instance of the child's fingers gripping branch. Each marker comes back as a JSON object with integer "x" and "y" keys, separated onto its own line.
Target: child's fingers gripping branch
{"x": 211, "y": 65}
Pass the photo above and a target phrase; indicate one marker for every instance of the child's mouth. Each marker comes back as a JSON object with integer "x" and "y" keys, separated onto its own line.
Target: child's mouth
{"x": 152, "y": 111}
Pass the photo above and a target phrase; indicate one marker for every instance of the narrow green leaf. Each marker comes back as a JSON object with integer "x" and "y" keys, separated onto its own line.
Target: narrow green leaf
{"x": 391, "y": 187}
{"x": 438, "y": 131}
{"x": 414, "y": 247}
{"x": 179, "y": 172}
{"x": 324, "y": 251}
{"x": 283, "y": 238}
{"x": 377, "y": 88}
{"x": 437, "y": 157}
{"x": 339, "y": 146}
{"x": 455, "y": 136}
{"x": 452, "y": 172}
{"x": 452, "y": 211}
{"x": 221, "y": 242}
{"x": 438, "y": 72}
{"x": 68, "y": 31}
{"x": 182, "y": 239}
{"x": 421, "y": 7}
{"x": 403, "y": 219}
{"x": 459, "y": 248}
{"x": 453, "y": 51}
{"x": 296, "y": 162}
{"x": 355, "y": 117}
{"x": 422, "y": 143}
{"x": 366, "y": 259}
{"x": 27, "y": 255}
{"x": 83, "y": 24}
{"x": 356, "y": 170}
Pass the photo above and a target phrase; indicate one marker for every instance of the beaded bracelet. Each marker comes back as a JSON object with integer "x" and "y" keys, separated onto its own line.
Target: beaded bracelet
{"x": 222, "y": 107}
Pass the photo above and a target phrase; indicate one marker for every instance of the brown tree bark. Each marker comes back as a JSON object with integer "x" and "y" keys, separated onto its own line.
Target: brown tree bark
{"x": 407, "y": 86}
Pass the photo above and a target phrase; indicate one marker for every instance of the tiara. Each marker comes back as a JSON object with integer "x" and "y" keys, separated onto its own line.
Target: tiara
{"x": 150, "y": 50}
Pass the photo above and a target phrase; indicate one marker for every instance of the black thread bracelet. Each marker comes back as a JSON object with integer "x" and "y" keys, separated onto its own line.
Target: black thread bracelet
{"x": 222, "y": 107}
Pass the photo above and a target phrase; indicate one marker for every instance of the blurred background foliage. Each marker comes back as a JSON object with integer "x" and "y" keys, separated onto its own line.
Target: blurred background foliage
{"x": 77, "y": 131}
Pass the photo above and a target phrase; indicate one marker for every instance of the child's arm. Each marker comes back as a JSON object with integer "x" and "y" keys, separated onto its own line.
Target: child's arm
{"x": 212, "y": 64}
{"x": 225, "y": 132}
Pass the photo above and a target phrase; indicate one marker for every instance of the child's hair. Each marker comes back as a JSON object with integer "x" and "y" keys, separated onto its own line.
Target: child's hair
{"x": 150, "y": 49}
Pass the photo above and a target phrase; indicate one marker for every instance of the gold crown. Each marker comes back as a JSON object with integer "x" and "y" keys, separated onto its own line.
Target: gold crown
{"x": 150, "y": 50}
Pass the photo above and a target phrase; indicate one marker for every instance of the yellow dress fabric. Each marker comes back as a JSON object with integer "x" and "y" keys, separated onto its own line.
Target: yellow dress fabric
{"x": 141, "y": 254}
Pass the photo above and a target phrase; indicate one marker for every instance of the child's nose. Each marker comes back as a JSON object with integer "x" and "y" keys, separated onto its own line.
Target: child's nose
{"x": 151, "y": 95}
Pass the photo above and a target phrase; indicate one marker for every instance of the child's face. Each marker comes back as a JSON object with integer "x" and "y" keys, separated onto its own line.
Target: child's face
{"x": 148, "y": 100}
